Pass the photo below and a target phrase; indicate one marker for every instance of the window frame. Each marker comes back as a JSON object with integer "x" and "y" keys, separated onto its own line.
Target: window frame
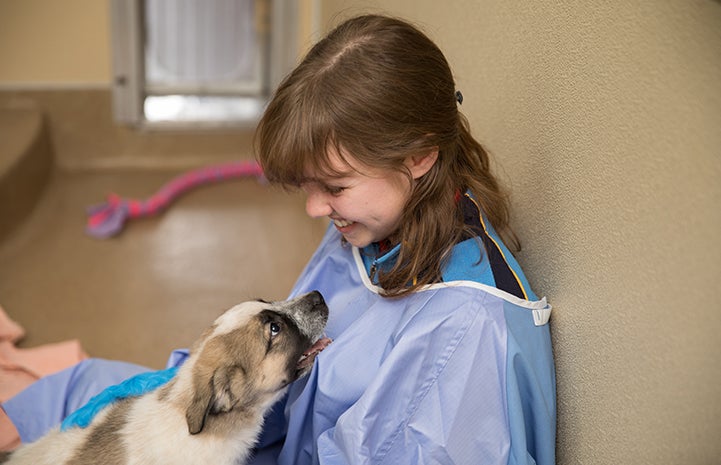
{"x": 128, "y": 73}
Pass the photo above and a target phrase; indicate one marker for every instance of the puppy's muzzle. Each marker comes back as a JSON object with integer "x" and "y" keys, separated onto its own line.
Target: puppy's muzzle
{"x": 311, "y": 315}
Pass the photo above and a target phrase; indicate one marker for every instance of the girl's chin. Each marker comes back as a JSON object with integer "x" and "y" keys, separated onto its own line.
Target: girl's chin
{"x": 356, "y": 236}
{"x": 357, "y": 244}
{"x": 356, "y": 241}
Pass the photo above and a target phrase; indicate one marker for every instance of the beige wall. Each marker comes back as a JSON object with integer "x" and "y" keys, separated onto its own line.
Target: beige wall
{"x": 606, "y": 120}
{"x": 60, "y": 42}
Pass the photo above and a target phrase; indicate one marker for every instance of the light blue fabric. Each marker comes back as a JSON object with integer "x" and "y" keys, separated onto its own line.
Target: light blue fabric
{"x": 45, "y": 403}
{"x": 456, "y": 373}
{"x": 452, "y": 374}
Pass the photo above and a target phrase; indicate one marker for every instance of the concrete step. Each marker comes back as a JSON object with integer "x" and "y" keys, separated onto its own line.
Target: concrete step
{"x": 26, "y": 161}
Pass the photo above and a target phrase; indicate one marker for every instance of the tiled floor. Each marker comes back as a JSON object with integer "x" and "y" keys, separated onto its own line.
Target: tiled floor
{"x": 157, "y": 285}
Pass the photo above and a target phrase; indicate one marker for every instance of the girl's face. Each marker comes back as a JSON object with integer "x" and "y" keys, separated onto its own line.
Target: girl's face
{"x": 365, "y": 204}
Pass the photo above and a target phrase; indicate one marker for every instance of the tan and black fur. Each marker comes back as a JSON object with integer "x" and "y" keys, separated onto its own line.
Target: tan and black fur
{"x": 212, "y": 411}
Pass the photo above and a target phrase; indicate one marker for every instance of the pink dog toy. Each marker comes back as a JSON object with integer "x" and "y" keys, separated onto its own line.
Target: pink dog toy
{"x": 107, "y": 219}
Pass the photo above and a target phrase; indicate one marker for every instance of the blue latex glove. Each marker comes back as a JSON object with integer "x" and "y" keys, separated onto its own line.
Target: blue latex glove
{"x": 131, "y": 387}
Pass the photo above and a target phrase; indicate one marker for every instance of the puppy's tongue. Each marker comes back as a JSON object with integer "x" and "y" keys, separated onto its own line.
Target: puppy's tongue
{"x": 309, "y": 355}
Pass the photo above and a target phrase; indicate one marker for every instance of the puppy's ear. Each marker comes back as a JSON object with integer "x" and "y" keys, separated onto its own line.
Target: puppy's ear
{"x": 215, "y": 393}
{"x": 200, "y": 404}
{"x": 228, "y": 380}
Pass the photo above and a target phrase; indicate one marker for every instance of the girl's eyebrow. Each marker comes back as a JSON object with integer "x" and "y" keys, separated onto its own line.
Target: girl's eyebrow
{"x": 325, "y": 178}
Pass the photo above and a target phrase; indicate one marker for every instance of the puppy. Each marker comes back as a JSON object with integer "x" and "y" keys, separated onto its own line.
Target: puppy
{"x": 212, "y": 411}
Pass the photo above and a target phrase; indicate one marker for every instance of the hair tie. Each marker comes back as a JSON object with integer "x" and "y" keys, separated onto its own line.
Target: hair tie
{"x": 459, "y": 97}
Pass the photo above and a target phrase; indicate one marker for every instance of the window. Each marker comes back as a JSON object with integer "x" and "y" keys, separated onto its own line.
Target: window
{"x": 186, "y": 62}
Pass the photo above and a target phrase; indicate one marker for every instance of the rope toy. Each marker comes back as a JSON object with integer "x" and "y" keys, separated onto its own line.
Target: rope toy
{"x": 107, "y": 219}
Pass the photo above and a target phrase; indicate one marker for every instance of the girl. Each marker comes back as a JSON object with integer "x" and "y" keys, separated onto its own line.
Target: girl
{"x": 441, "y": 351}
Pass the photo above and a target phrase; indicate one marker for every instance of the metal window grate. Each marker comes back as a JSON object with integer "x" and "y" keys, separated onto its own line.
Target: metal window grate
{"x": 215, "y": 62}
{"x": 204, "y": 48}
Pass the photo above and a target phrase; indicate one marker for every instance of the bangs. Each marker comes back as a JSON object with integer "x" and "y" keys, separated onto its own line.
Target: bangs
{"x": 297, "y": 140}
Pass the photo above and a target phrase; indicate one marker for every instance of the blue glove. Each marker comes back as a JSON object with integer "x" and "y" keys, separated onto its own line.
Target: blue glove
{"x": 131, "y": 387}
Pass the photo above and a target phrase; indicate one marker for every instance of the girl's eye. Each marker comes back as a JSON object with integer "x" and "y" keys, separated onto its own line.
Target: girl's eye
{"x": 333, "y": 190}
{"x": 274, "y": 329}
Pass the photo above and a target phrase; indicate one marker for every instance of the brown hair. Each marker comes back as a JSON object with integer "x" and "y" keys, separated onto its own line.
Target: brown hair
{"x": 380, "y": 89}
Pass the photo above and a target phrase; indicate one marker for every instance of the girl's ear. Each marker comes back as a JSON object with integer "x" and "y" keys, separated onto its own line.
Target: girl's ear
{"x": 418, "y": 165}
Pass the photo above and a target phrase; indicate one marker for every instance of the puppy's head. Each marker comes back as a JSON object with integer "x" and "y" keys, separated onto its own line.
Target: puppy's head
{"x": 252, "y": 352}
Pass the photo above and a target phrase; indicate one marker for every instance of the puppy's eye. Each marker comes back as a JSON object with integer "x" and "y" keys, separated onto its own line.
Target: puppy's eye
{"x": 274, "y": 329}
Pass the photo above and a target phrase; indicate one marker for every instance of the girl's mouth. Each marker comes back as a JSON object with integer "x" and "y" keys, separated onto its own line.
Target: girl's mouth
{"x": 340, "y": 224}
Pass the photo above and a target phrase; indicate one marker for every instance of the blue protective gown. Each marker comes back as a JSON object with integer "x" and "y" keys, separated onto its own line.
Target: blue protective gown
{"x": 460, "y": 372}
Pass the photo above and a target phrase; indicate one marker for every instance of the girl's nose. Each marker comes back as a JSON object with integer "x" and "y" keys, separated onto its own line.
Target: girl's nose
{"x": 316, "y": 204}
